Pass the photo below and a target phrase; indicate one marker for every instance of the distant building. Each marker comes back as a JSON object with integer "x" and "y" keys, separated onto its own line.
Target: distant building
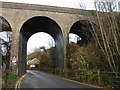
{"x": 33, "y": 61}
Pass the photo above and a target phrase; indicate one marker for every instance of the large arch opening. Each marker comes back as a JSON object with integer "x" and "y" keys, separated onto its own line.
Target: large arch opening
{"x": 40, "y": 24}
{"x": 5, "y": 43}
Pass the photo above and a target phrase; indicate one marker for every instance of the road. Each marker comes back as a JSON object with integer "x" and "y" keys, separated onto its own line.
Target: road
{"x": 36, "y": 79}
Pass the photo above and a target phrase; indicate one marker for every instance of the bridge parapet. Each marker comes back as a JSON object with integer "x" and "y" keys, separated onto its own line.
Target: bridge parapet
{"x": 12, "y": 5}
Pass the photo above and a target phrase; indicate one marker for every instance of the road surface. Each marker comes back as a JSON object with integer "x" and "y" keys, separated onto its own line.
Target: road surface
{"x": 36, "y": 79}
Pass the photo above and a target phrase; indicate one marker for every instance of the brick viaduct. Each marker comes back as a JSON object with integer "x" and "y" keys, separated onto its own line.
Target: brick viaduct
{"x": 24, "y": 20}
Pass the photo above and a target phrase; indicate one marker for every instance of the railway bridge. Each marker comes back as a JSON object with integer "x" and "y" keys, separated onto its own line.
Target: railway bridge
{"x": 24, "y": 20}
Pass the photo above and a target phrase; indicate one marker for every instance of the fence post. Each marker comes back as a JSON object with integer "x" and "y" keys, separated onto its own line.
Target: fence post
{"x": 98, "y": 72}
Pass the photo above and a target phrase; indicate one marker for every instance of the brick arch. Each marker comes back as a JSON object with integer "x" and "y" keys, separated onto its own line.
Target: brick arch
{"x": 83, "y": 29}
{"x": 40, "y": 24}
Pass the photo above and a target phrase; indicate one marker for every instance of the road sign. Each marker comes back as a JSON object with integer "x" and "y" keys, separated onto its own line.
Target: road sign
{"x": 14, "y": 59}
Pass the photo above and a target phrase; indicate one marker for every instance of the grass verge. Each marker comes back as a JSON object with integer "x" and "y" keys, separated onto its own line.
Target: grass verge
{"x": 9, "y": 79}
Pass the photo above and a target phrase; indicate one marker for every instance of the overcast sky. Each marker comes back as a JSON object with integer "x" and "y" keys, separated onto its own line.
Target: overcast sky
{"x": 61, "y": 3}
{"x": 38, "y": 40}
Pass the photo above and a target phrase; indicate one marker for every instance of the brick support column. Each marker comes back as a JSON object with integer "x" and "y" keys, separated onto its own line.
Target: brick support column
{"x": 14, "y": 52}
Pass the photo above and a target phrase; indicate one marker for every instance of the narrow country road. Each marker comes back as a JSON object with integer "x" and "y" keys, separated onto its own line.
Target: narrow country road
{"x": 36, "y": 79}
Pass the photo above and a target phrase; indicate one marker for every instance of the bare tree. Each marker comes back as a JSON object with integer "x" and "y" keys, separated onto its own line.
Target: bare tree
{"x": 81, "y": 5}
{"x": 110, "y": 36}
{"x": 6, "y": 39}
{"x": 106, "y": 5}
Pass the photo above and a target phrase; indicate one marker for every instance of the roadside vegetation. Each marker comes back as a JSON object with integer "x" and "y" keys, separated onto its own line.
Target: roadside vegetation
{"x": 88, "y": 64}
{"x": 9, "y": 79}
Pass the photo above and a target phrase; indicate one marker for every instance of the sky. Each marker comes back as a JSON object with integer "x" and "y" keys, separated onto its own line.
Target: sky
{"x": 61, "y": 3}
{"x": 43, "y": 39}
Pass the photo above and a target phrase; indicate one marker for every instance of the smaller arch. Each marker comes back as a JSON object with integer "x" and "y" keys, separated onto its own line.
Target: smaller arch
{"x": 4, "y": 24}
{"x": 83, "y": 29}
